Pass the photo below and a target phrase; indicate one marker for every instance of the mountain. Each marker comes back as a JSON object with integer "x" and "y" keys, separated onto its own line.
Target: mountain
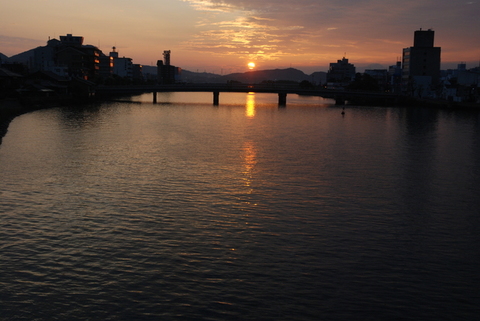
{"x": 23, "y": 57}
{"x": 319, "y": 77}
{"x": 188, "y": 76}
{"x": 201, "y": 77}
{"x": 3, "y": 58}
{"x": 258, "y": 76}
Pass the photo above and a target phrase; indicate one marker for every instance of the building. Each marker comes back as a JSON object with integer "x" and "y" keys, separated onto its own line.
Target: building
{"x": 105, "y": 66}
{"x": 67, "y": 57}
{"x": 341, "y": 73}
{"x": 468, "y": 84}
{"x": 120, "y": 66}
{"x": 395, "y": 77}
{"x": 123, "y": 67}
{"x": 137, "y": 72}
{"x": 166, "y": 73}
{"x": 421, "y": 64}
{"x": 380, "y": 76}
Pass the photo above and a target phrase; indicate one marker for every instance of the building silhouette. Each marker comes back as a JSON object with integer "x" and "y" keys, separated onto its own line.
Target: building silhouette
{"x": 421, "y": 64}
{"x": 67, "y": 57}
{"x": 395, "y": 77}
{"x": 341, "y": 73}
{"x": 380, "y": 76}
{"x": 166, "y": 73}
{"x": 122, "y": 66}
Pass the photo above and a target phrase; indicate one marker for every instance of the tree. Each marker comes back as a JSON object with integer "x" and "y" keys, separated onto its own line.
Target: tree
{"x": 305, "y": 84}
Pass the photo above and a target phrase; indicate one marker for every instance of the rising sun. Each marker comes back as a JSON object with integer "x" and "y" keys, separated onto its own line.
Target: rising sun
{"x": 251, "y": 65}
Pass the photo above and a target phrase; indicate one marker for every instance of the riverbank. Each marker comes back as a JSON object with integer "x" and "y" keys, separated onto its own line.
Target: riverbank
{"x": 9, "y": 109}
{"x": 13, "y": 107}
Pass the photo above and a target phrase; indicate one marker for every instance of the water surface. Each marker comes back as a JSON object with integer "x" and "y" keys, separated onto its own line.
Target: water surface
{"x": 245, "y": 211}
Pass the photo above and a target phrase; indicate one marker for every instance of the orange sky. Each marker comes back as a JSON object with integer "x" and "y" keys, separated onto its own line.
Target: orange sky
{"x": 222, "y": 36}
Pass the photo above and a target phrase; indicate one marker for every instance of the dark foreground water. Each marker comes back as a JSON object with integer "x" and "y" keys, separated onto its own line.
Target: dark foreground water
{"x": 245, "y": 211}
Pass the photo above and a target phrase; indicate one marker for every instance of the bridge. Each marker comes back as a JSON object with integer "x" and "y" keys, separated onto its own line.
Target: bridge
{"x": 282, "y": 90}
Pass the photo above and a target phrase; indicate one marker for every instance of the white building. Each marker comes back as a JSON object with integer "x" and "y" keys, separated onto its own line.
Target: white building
{"x": 123, "y": 67}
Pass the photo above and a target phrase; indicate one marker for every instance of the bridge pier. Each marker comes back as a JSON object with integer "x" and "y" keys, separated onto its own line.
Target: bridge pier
{"x": 154, "y": 97}
{"x": 216, "y": 95}
{"x": 339, "y": 100}
{"x": 282, "y": 99}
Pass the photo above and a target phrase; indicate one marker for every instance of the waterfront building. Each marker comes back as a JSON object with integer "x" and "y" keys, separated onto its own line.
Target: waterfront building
{"x": 113, "y": 64}
{"x": 105, "y": 66}
{"x": 44, "y": 57}
{"x": 395, "y": 77}
{"x": 137, "y": 73}
{"x": 123, "y": 67}
{"x": 82, "y": 60}
{"x": 166, "y": 73}
{"x": 380, "y": 76}
{"x": 67, "y": 57}
{"x": 468, "y": 84}
{"x": 341, "y": 73}
{"x": 421, "y": 64}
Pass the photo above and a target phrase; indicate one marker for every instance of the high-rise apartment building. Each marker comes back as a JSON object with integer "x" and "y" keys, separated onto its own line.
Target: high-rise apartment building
{"x": 421, "y": 63}
{"x": 341, "y": 72}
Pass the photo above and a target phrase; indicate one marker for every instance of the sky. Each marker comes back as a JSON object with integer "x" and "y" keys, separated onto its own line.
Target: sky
{"x": 223, "y": 36}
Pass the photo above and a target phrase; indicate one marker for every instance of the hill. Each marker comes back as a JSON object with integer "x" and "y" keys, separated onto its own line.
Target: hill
{"x": 23, "y": 57}
{"x": 3, "y": 58}
{"x": 201, "y": 77}
{"x": 258, "y": 76}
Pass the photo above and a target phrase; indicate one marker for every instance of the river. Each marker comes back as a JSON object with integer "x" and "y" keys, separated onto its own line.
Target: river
{"x": 182, "y": 210}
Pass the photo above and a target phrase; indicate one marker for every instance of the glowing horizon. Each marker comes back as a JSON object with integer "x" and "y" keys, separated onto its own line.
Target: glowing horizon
{"x": 223, "y": 36}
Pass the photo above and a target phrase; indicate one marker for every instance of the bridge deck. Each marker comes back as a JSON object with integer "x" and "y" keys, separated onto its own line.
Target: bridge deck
{"x": 281, "y": 89}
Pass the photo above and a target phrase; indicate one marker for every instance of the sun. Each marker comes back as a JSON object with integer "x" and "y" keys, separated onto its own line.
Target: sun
{"x": 251, "y": 65}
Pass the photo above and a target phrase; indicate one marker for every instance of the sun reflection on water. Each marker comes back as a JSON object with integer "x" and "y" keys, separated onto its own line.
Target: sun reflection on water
{"x": 250, "y": 105}
{"x": 250, "y": 160}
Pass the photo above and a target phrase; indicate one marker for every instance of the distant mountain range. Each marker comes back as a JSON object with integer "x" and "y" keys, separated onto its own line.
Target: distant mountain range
{"x": 23, "y": 57}
{"x": 257, "y": 76}
{"x": 3, "y": 57}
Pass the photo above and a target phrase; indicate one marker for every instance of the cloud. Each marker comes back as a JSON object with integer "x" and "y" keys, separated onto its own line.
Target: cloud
{"x": 277, "y": 32}
{"x": 282, "y": 28}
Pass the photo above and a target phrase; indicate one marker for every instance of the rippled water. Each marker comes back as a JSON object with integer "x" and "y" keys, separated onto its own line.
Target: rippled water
{"x": 186, "y": 211}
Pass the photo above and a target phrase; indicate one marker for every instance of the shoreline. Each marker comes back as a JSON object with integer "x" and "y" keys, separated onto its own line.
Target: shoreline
{"x": 9, "y": 109}
{"x": 13, "y": 107}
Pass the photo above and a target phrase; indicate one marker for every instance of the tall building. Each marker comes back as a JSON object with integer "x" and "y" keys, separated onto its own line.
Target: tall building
{"x": 421, "y": 63}
{"x": 166, "y": 73}
{"x": 105, "y": 66}
{"x": 122, "y": 67}
{"x": 67, "y": 56}
{"x": 341, "y": 73}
